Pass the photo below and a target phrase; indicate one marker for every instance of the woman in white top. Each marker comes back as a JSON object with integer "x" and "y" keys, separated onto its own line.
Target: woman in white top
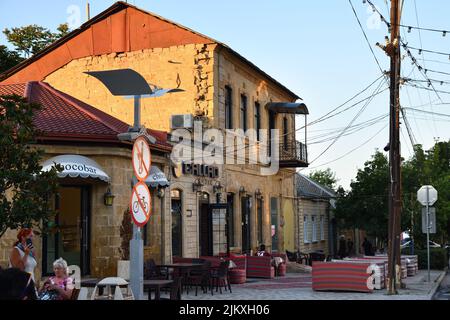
{"x": 23, "y": 255}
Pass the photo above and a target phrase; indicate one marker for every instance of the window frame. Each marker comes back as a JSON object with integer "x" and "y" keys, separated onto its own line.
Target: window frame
{"x": 257, "y": 119}
{"x": 322, "y": 228}
{"x": 228, "y": 107}
{"x": 314, "y": 229}
{"x": 243, "y": 112}
{"x": 305, "y": 229}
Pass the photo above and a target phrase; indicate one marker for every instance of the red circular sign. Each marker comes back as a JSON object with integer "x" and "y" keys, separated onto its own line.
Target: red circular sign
{"x": 140, "y": 204}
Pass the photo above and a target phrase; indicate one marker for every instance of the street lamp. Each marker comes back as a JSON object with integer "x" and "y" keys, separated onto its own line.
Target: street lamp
{"x": 129, "y": 84}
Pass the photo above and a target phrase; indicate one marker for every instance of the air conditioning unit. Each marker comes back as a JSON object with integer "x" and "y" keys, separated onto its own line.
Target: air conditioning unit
{"x": 179, "y": 121}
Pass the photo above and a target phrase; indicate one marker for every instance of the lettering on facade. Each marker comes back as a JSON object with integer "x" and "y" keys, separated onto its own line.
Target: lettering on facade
{"x": 79, "y": 167}
{"x": 199, "y": 170}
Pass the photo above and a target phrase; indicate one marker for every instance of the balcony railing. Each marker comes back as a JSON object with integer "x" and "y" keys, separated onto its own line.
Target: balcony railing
{"x": 293, "y": 154}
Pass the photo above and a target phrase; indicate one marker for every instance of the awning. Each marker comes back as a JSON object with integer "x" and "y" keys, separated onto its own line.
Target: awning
{"x": 287, "y": 107}
{"x": 156, "y": 178}
{"x": 76, "y": 166}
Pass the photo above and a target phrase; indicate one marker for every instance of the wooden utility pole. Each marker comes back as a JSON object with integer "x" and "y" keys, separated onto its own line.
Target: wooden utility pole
{"x": 393, "y": 50}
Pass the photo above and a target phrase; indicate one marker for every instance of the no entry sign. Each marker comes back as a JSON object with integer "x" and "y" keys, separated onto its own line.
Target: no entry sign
{"x": 142, "y": 158}
{"x": 140, "y": 204}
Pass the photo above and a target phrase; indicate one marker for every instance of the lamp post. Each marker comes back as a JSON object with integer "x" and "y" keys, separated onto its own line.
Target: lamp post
{"x": 131, "y": 85}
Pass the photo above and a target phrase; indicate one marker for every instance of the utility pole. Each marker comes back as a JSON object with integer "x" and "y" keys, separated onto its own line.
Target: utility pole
{"x": 88, "y": 11}
{"x": 393, "y": 50}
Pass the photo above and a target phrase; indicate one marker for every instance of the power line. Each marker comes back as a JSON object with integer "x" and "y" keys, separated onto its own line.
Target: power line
{"x": 365, "y": 36}
{"x": 420, "y": 50}
{"x": 429, "y": 112}
{"x": 427, "y": 89}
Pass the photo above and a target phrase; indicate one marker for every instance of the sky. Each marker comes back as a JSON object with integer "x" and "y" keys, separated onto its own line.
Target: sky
{"x": 316, "y": 49}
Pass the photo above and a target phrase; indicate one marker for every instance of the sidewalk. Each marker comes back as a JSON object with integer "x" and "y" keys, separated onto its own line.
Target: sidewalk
{"x": 298, "y": 287}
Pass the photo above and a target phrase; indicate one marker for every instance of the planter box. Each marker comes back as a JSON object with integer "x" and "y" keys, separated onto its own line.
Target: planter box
{"x": 123, "y": 269}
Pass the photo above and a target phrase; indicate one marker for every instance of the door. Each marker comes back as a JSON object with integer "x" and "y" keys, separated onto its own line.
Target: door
{"x": 205, "y": 227}
{"x": 70, "y": 231}
{"x": 246, "y": 209}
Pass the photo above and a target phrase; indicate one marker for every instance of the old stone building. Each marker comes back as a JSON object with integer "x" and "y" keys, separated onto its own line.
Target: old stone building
{"x": 84, "y": 140}
{"x": 220, "y": 88}
{"x": 315, "y": 227}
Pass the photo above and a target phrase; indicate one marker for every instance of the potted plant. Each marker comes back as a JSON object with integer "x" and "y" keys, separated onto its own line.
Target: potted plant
{"x": 126, "y": 233}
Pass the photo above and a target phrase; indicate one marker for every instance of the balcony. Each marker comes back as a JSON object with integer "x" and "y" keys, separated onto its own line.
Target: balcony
{"x": 293, "y": 154}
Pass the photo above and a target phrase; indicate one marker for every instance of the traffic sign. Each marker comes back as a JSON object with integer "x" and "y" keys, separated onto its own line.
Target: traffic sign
{"x": 140, "y": 204}
{"x": 431, "y": 221}
{"x": 423, "y": 196}
{"x": 141, "y": 158}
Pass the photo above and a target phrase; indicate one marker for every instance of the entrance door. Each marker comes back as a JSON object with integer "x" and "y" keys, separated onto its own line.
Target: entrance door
{"x": 205, "y": 226}
{"x": 69, "y": 238}
{"x": 246, "y": 209}
{"x": 274, "y": 223}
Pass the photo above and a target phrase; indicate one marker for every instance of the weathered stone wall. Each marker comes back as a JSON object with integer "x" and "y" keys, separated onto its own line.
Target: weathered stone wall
{"x": 189, "y": 67}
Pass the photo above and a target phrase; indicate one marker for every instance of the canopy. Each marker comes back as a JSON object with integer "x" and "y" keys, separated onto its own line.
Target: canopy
{"x": 76, "y": 166}
{"x": 156, "y": 178}
{"x": 287, "y": 107}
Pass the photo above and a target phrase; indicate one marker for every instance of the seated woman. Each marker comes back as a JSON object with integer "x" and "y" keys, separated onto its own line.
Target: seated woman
{"x": 262, "y": 251}
{"x": 60, "y": 286}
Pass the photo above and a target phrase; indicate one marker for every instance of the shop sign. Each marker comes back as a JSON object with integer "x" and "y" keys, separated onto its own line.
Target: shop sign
{"x": 195, "y": 169}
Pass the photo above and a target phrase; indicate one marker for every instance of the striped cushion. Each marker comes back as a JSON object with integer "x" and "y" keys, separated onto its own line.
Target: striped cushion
{"x": 260, "y": 267}
{"x": 238, "y": 276}
{"x": 342, "y": 276}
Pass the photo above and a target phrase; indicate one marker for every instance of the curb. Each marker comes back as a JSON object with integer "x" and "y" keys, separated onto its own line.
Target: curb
{"x": 436, "y": 285}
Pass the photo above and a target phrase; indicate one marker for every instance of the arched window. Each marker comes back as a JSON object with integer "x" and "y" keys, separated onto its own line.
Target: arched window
{"x": 177, "y": 222}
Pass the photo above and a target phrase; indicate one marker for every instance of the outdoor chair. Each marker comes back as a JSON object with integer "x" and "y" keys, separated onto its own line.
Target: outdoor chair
{"x": 153, "y": 272}
{"x": 220, "y": 278}
{"x": 175, "y": 290}
{"x": 200, "y": 278}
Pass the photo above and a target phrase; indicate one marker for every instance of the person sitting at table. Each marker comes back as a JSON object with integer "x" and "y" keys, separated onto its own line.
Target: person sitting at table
{"x": 60, "y": 286}
{"x": 262, "y": 251}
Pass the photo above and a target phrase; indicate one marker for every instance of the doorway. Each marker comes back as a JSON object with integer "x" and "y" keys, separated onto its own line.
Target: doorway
{"x": 205, "y": 226}
{"x": 246, "y": 208}
{"x": 69, "y": 236}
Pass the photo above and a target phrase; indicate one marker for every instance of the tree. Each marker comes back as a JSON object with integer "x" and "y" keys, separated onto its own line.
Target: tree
{"x": 365, "y": 206}
{"x": 31, "y": 39}
{"x": 8, "y": 59}
{"x": 326, "y": 178}
{"x": 25, "y": 191}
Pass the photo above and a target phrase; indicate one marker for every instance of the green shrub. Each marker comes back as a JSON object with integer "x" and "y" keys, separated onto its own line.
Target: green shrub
{"x": 438, "y": 258}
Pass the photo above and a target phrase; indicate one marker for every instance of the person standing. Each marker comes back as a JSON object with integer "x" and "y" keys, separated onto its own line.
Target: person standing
{"x": 349, "y": 247}
{"x": 367, "y": 246}
{"x": 342, "y": 247}
{"x": 23, "y": 255}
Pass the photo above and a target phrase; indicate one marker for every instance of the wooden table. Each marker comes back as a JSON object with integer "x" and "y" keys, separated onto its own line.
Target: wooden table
{"x": 184, "y": 268}
{"x": 157, "y": 285}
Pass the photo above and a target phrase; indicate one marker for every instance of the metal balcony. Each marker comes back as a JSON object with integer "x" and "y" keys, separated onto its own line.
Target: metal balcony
{"x": 293, "y": 154}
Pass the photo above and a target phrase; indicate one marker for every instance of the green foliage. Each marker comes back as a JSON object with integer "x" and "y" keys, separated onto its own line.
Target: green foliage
{"x": 326, "y": 178}
{"x": 438, "y": 258}
{"x": 365, "y": 206}
{"x": 8, "y": 59}
{"x": 25, "y": 191}
{"x": 31, "y": 39}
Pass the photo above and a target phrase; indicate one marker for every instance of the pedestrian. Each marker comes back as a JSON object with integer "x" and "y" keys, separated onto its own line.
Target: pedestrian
{"x": 349, "y": 246}
{"x": 16, "y": 284}
{"x": 262, "y": 251}
{"x": 368, "y": 248}
{"x": 59, "y": 287}
{"x": 342, "y": 247}
{"x": 23, "y": 255}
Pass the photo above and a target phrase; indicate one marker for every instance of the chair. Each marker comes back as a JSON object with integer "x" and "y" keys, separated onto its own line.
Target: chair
{"x": 260, "y": 267}
{"x": 302, "y": 258}
{"x": 220, "y": 278}
{"x": 200, "y": 278}
{"x": 153, "y": 272}
{"x": 175, "y": 290}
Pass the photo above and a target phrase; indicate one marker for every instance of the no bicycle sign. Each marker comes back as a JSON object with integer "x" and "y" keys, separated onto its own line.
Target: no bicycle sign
{"x": 140, "y": 202}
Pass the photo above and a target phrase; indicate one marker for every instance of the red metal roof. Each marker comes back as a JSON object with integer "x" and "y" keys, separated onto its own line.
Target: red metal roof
{"x": 64, "y": 118}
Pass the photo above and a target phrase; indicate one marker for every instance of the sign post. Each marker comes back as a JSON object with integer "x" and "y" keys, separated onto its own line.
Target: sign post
{"x": 140, "y": 204}
{"x": 427, "y": 196}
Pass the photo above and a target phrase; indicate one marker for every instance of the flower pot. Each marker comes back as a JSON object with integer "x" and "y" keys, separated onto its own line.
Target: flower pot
{"x": 123, "y": 269}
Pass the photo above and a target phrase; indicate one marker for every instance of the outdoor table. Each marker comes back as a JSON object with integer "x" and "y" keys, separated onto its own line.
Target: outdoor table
{"x": 157, "y": 285}
{"x": 184, "y": 267}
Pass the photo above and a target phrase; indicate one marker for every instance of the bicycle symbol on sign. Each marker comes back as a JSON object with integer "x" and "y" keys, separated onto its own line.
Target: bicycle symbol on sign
{"x": 136, "y": 205}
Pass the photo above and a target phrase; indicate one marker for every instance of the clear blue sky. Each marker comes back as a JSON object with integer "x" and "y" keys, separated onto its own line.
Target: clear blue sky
{"x": 315, "y": 48}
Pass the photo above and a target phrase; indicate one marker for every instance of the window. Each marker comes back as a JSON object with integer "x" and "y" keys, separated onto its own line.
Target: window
{"x": 314, "y": 228}
{"x": 228, "y": 108}
{"x": 259, "y": 208}
{"x": 305, "y": 229}
{"x": 322, "y": 229}
{"x": 257, "y": 119}
{"x": 244, "y": 112}
{"x": 285, "y": 133}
